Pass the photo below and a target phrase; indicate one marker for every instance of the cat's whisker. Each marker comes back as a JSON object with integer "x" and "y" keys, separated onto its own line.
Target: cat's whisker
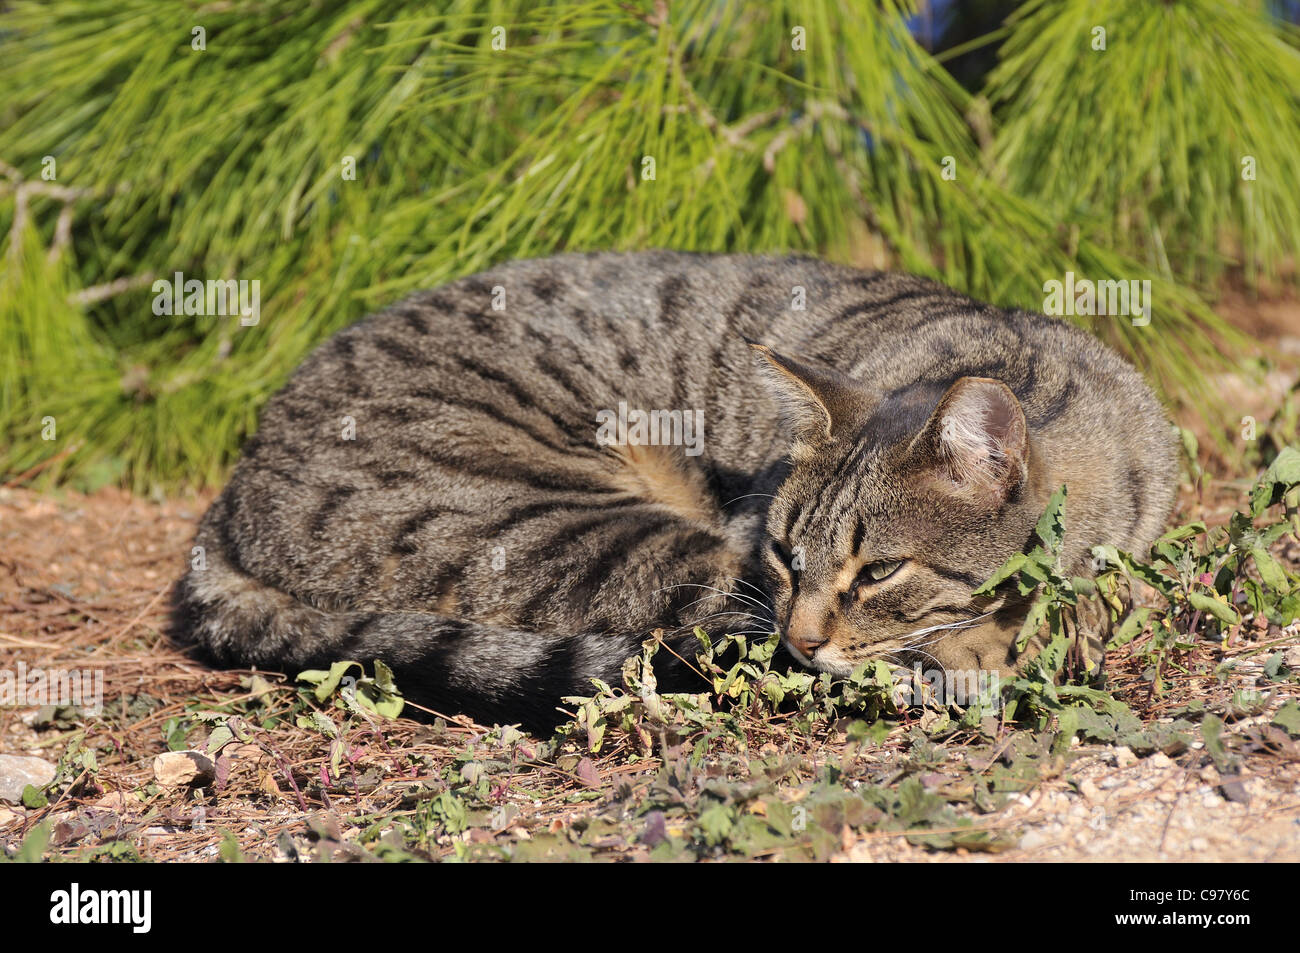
{"x": 911, "y": 637}
{"x": 764, "y": 618}
{"x": 759, "y": 593}
{"x": 944, "y": 632}
{"x": 929, "y": 656}
{"x": 747, "y": 496}
{"x": 696, "y": 602}
{"x": 750, "y": 600}
{"x": 747, "y": 616}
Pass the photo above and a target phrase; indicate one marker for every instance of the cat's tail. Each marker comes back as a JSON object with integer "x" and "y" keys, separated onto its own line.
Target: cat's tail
{"x": 450, "y": 665}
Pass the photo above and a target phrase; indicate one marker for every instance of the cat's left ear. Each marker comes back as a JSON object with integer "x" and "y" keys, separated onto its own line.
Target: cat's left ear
{"x": 819, "y": 402}
{"x": 976, "y": 440}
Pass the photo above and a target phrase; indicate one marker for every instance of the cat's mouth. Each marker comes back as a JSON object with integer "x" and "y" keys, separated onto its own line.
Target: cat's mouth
{"x": 828, "y": 657}
{"x": 825, "y": 658}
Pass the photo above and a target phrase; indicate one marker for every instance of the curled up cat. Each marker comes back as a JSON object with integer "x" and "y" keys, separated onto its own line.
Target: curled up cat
{"x": 501, "y": 487}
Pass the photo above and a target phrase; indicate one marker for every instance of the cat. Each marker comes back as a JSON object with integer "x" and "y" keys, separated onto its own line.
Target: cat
{"x": 487, "y": 486}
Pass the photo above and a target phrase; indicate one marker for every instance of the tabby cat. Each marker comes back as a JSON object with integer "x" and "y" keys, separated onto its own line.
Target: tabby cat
{"x": 502, "y": 486}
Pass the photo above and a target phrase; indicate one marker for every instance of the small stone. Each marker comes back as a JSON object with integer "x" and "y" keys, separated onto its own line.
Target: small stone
{"x": 1090, "y": 792}
{"x": 1124, "y": 757}
{"x": 1160, "y": 760}
{"x": 1210, "y": 775}
{"x": 117, "y": 801}
{"x": 1198, "y": 843}
{"x": 7, "y": 817}
{"x": 857, "y": 853}
{"x": 175, "y": 768}
{"x": 1032, "y": 840}
{"x": 1232, "y": 788}
{"x": 17, "y": 771}
{"x": 240, "y": 752}
{"x": 1292, "y": 658}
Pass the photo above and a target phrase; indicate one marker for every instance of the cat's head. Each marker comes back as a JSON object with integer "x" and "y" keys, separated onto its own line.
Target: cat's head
{"x": 896, "y": 507}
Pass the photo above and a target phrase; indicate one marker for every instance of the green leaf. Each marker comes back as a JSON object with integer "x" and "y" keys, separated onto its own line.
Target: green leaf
{"x": 228, "y": 850}
{"x": 324, "y": 724}
{"x": 1196, "y": 528}
{"x": 34, "y": 845}
{"x": 1282, "y": 473}
{"x": 1269, "y": 570}
{"x": 716, "y": 823}
{"x": 1157, "y": 580}
{"x": 1002, "y": 574}
{"x": 1212, "y": 732}
{"x": 174, "y": 734}
{"x": 371, "y": 696}
{"x": 327, "y": 682}
{"x": 1285, "y": 467}
{"x": 1215, "y": 607}
{"x": 1033, "y": 621}
{"x": 1288, "y": 718}
{"x": 1052, "y": 658}
{"x": 1051, "y": 525}
{"x": 1130, "y": 628}
{"x": 1067, "y": 723}
{"x": 384, "y": 678}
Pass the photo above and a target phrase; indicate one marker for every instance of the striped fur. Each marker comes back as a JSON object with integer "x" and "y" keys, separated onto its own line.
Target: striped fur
{"x": 474, "y": 534}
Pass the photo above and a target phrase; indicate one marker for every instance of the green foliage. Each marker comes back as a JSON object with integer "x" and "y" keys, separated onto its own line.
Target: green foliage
{"x": 744, "y": 691}
{"x": 378, "y": 695}
{"x": 1201, "y": 573}
{"x": 1039, "y": 570}
{"x": 32, "y": 849}
{"x": 229, "y": 162}
{"x": 1175, "y": 143}
{"x": 229, "y": 851}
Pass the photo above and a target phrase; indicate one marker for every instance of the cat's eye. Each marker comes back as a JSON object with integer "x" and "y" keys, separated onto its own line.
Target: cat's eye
{"x": 879, "y": 571}
{"x": 781, "y": 550}
{"x": 875, "y": 572}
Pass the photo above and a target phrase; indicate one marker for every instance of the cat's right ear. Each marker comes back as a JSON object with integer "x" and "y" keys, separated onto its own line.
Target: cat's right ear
{"x": 976, "y": 441}
{"x": 818, "y": 403}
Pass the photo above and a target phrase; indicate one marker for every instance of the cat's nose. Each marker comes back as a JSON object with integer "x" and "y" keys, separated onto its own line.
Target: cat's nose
{"x": 805, "y": 633}
{"x": 806, "y": 642}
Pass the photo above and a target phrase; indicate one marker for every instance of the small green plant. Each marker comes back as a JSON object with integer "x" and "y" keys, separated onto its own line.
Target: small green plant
{"x": 1202, "y": 575}
{"x": 377, "y": 695}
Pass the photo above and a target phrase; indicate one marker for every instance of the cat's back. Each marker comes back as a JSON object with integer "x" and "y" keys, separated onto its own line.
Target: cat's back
{"x": 542, "y": 345}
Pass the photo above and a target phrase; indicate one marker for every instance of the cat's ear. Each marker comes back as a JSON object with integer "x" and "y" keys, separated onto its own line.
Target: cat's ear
{"x": 976, "y": 440}
{"x": 819, "y": 403}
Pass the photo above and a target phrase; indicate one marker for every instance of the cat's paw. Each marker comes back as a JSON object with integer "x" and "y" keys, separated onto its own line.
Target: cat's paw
{"x": 1088, "y": 628}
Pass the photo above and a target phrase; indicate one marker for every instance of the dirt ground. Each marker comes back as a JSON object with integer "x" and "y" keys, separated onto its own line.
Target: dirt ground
{"x": 83, "y": 583}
